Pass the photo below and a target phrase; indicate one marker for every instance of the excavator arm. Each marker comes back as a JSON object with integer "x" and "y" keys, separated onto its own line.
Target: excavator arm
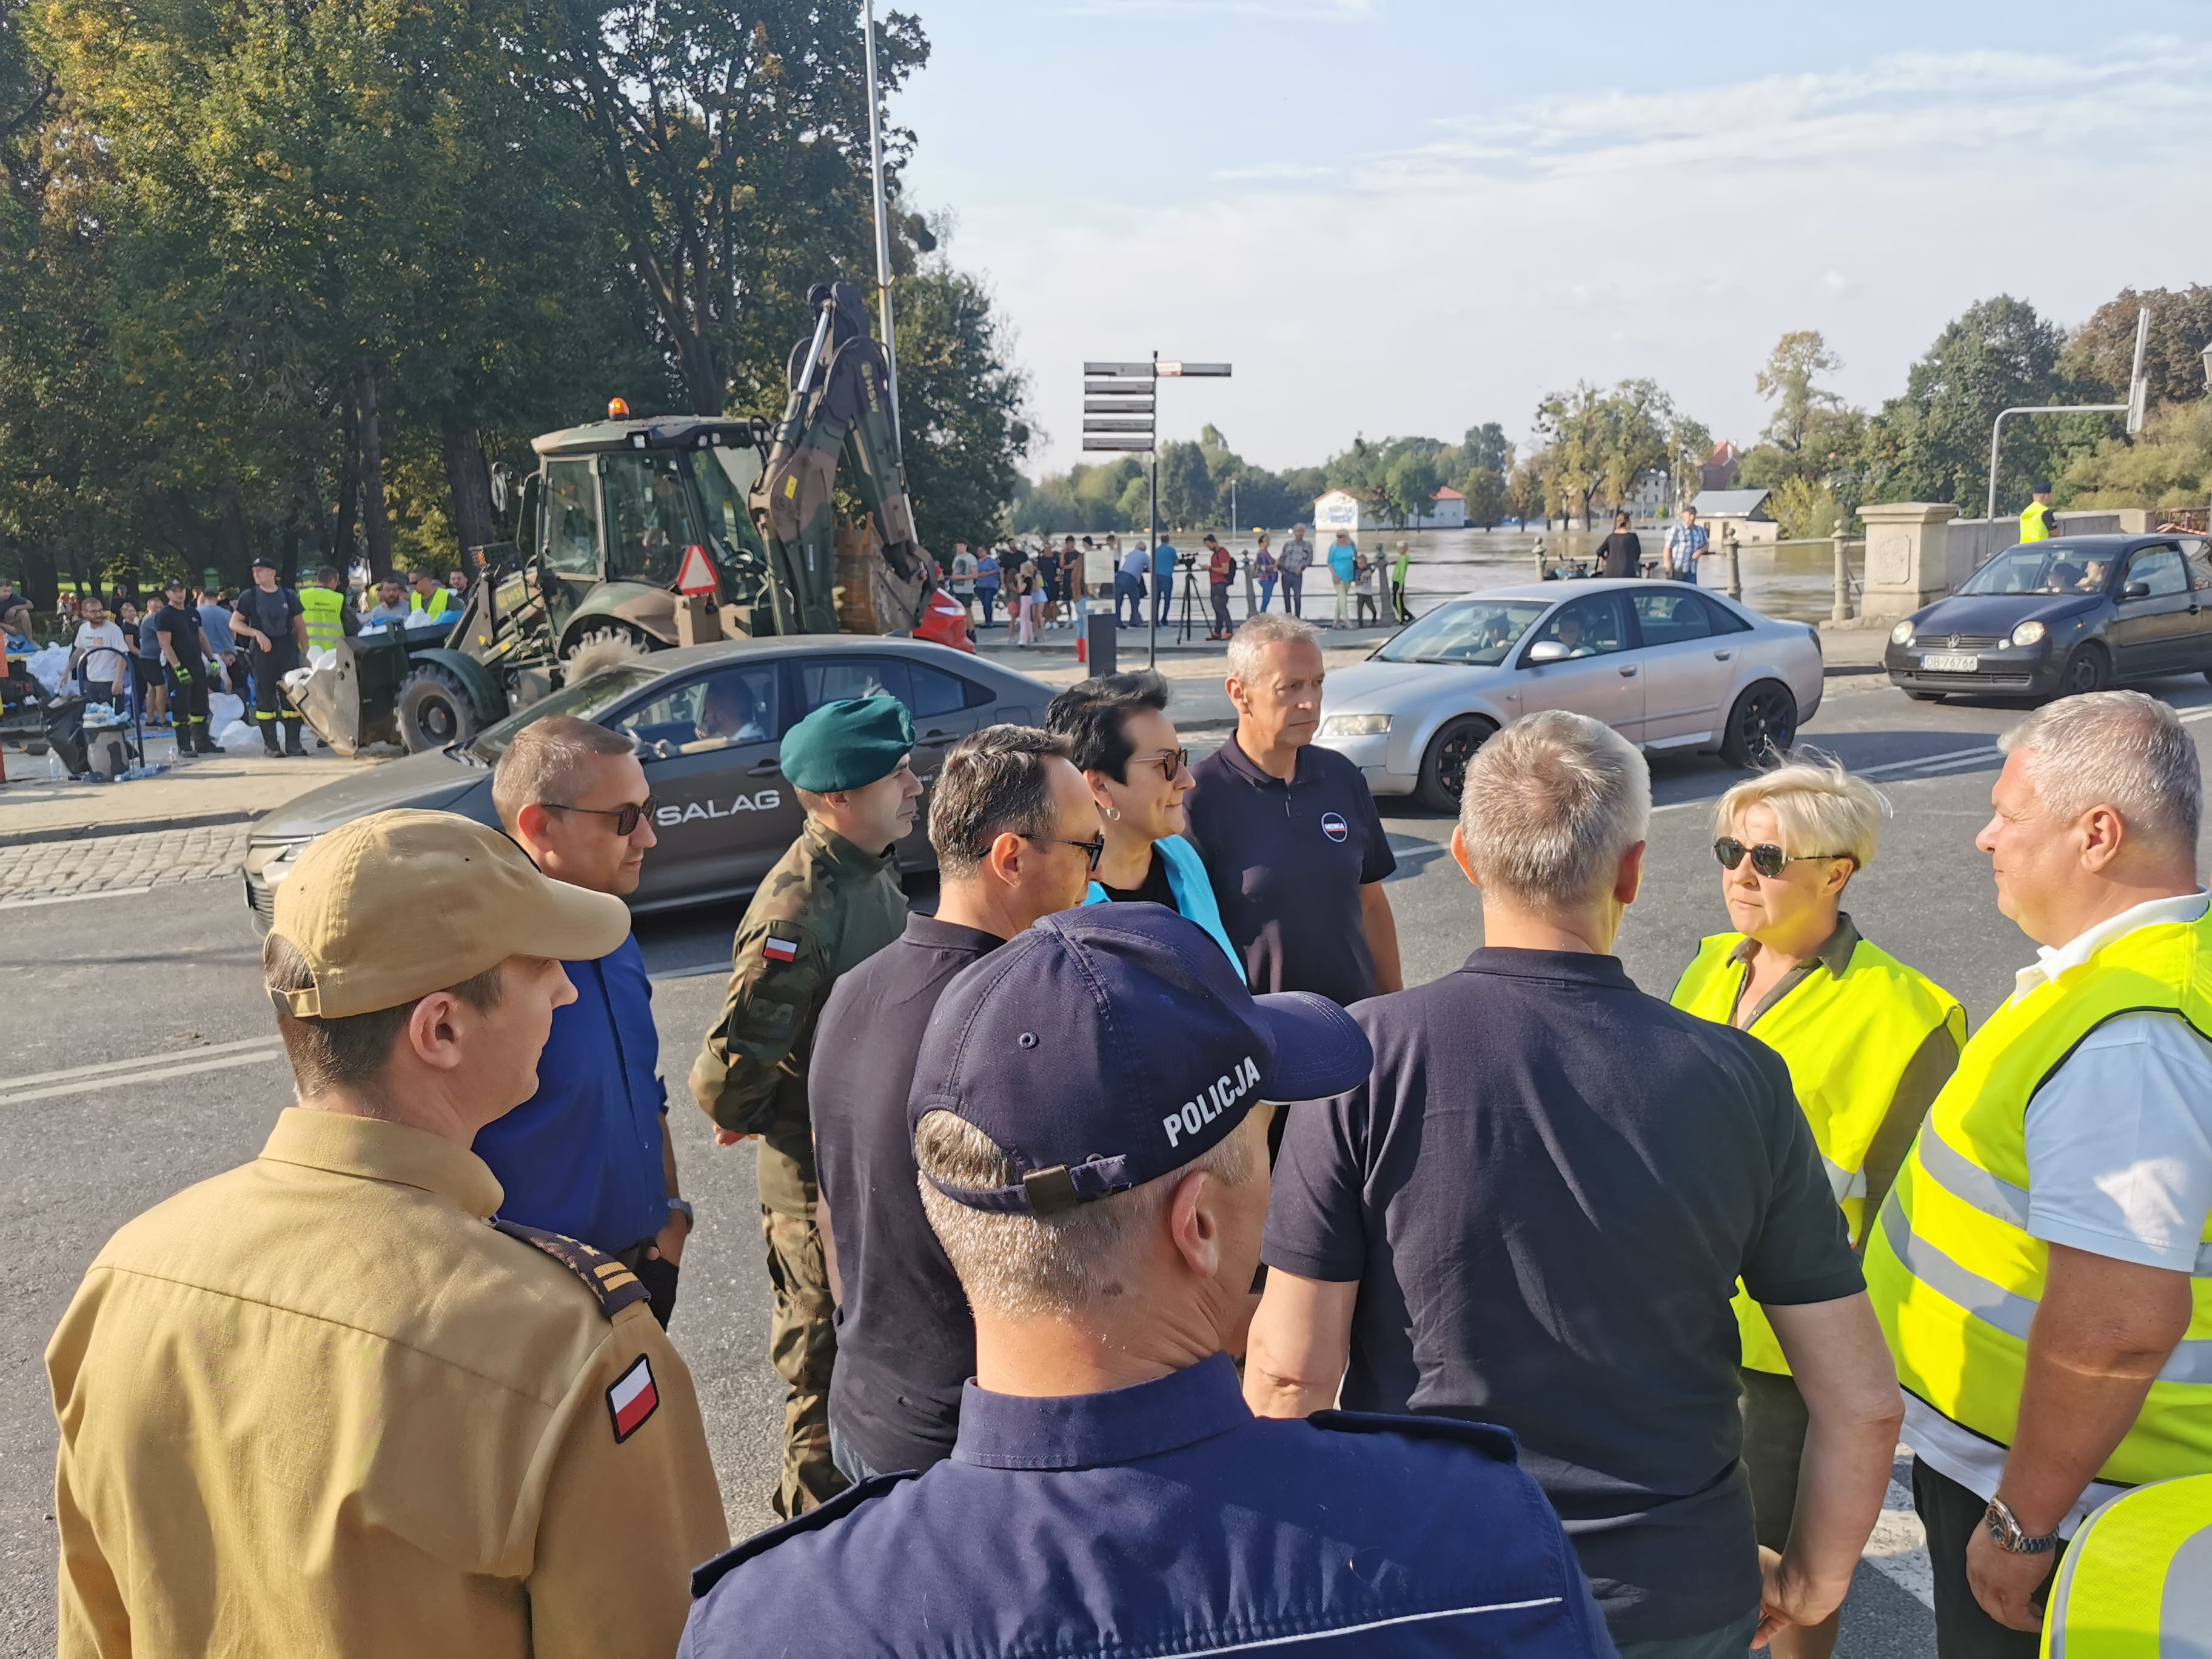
{"x": 839, "y": 410}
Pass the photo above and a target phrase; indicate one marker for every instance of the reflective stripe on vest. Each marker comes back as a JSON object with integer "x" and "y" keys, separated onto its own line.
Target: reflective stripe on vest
{"x": 1847, "y": 1041}
{"x": 1955, "y": 1277}
{"x": 2136, "y": 1581}
{"x": 2035, "y": 523}
{"x": 324, "y": 613}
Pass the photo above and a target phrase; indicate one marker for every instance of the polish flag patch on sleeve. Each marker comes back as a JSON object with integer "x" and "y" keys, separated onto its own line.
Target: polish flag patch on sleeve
{"x": 780, "y": 950}
{"x": 632, "y": 1399}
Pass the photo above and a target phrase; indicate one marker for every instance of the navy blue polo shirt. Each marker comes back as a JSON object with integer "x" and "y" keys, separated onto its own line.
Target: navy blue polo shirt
{"x": 906, "y": 1343}
{"x": 583, "y": 1156}
{"x": 1164, "y": 1518}
{"x": 1546, "y": 1193}
{"x": 1287, "y": 860}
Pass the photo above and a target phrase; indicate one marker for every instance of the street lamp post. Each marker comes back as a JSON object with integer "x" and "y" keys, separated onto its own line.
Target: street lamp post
{"x": 2134, "y": 409}
{"x": 1124, "y": 400}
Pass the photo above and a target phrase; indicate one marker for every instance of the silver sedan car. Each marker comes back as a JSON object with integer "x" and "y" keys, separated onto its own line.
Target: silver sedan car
{"x": 1667, "y": 665}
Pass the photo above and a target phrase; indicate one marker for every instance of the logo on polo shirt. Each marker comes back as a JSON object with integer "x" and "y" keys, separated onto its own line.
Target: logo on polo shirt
{"x": 1220, "y": 1095}
{"x": 1334, "y": 826}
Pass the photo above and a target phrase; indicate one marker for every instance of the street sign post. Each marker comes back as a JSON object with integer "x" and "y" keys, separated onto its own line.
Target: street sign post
{"x": 1121, "y": 412}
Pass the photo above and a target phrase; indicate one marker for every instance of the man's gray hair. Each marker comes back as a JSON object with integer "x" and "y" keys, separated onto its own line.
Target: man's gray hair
{"x": 994, "y": 782}
{"x": 2117, "y": 749}
{"x": 1032, "y": 1267}
{"x": 1248, "y": 646}
{"x": 546, "y": 763}
{"x": 1549, "y": 806}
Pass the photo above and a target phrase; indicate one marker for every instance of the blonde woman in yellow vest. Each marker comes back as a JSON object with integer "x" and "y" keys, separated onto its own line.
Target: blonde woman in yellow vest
{"x": 2043, "y": 1269}
{"x": 1868, "y": 1041}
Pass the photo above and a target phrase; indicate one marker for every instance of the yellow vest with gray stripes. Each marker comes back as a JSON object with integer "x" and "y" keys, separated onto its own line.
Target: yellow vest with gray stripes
{"x": 324, "y": 611}
{"x": 2136, "y": 1581}
{"x": 1955, "y": 1275}
{"x": 1846, "y": 1041}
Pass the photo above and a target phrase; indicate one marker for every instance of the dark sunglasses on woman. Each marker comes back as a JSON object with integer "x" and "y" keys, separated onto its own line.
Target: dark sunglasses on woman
{"x": 1767, "y": 857}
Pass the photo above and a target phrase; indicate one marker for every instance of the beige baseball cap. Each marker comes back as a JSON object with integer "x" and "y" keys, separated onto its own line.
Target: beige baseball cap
{"x": 394, "y": 905}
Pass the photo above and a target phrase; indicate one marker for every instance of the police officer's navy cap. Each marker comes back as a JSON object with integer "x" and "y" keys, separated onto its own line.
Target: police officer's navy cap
{"x": 847, "y": 745}
{"x": 1112, "y": 1044}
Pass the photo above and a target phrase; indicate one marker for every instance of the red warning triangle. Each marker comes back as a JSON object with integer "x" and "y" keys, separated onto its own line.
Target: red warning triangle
{"x": 697, "y": 576}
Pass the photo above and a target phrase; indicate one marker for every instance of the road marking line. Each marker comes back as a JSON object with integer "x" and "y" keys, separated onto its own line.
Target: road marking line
{"x": 1898, "y": 1548}
{"x": 1980, "y": 751}
{"x": 23, "y": 1097}
{"x": 72, "y": 898}
{"x": 697, "y": 970}
{"x": 206, "y": 1053}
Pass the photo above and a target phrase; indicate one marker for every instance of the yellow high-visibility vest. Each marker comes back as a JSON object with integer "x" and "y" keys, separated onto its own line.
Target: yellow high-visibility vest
{"x": 1846, "y": 1042}
{"x": 2035, "y": 523}
{"x": 440, "y": 600}
{"x": 324, "y": 610}
{"x": 1953, "y": 1273}
{"x": 2136, "y": 1583}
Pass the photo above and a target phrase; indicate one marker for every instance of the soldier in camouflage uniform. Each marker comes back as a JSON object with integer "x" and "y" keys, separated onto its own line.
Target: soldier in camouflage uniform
{"x": 832, "y": 901}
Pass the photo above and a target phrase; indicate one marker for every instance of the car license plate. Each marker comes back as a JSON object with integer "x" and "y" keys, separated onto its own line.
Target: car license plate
{"x": 1934, "y": 664}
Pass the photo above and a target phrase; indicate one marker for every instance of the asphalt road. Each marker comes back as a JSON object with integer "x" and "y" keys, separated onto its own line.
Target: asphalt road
{"x": 137, "y": 1054}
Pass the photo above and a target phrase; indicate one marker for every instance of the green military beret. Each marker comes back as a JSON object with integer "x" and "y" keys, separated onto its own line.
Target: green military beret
{"x": 846, "y": 744}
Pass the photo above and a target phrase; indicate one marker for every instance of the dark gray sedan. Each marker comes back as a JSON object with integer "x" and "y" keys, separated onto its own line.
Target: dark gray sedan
{"x": 707, "y": 721}
{"x": 2074, "y": 614}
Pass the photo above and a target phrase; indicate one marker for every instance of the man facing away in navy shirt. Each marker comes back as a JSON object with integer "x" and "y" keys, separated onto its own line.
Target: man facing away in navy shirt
{"x": 1090, "y": 1129}
{"x": 589, "y": 1155}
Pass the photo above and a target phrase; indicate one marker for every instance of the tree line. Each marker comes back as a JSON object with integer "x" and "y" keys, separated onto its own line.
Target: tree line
{"x": 1589, "y": 449}
{"x": 299, "y": 277}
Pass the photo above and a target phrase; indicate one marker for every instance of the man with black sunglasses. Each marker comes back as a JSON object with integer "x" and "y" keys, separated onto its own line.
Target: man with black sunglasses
{"x": 589, "y": 1155}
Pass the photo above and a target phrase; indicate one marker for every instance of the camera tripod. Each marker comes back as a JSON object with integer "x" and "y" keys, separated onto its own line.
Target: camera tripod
{"x": 1189, "y": 568}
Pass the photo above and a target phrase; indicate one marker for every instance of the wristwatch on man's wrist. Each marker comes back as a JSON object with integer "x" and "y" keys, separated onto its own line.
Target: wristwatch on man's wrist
{"x": 683, "y": 1206}
{"x": 2012, "y": 1538}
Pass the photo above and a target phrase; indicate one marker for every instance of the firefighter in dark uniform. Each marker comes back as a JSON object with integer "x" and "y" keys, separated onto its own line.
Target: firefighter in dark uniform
{"x": 832, "y": 901}
{"x": 268, "y": 619}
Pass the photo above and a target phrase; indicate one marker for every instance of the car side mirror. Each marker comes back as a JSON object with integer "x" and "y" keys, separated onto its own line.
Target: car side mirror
{"x": 1547, "y": 651}
{"x": 2136, "y": 591}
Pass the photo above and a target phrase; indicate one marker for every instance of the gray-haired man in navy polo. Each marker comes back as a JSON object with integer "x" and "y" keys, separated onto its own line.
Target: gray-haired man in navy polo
{"x": 1083, "y": 1115}
{"x": 1292, "y": 840}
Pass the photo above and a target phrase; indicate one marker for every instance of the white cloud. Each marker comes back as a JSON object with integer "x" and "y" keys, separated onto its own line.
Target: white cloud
{"x": 1423, "y": 286}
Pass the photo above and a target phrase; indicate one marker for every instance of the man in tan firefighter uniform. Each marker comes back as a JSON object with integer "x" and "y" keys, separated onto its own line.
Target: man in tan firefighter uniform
{"x": 832, "y": 901}
{"x": 323, "y": 1403}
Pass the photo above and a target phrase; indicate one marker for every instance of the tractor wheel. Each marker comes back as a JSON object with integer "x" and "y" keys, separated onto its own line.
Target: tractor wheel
{"x": 434, "y": 709}
{"x": 604, "y": 645}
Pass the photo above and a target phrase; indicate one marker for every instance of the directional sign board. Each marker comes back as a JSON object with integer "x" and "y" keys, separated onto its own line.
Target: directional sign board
{"x": 697, "y": 576}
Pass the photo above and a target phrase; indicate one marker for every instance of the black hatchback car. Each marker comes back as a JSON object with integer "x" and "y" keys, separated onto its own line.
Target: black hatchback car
{"x": 707, "y": 721}
{"x": 2052, "y": 618}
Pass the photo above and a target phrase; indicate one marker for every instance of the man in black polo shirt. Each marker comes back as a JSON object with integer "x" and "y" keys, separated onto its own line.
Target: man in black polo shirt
{"x": 1291, "y": 840}
{"x": 1534, "y": 1213}
{"x": 1014, "y": 825}
{"x": 184, "y": 661}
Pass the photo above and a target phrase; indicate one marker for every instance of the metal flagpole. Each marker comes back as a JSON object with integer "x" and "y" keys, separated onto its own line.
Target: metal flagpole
{"x": 883, "y": 224}
{"x": 1151, "y": 598}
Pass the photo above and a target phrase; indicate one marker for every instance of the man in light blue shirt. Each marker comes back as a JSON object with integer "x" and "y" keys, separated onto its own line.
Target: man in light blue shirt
{"x": 1164, "y": 568}
{"x": 1344, "y": 565}
{"x": 1129, "y": 584}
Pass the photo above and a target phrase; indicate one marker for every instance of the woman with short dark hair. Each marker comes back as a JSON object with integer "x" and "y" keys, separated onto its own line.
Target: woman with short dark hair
{"x": 1121, "y": 740}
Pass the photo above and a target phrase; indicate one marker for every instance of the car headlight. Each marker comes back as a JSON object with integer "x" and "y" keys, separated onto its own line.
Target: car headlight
{"x": 1355, "y": 725}
{"x": 271, "y": 861}
{"x": 1901, "y": 635}
{"x": 2028, "y": 632}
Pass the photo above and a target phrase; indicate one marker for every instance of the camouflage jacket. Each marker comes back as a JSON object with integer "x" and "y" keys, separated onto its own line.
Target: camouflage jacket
{"x": 825, "y": 907}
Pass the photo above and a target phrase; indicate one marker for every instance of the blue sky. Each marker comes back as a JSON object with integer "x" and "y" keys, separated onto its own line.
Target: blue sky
{"x": 1410, "y": 217}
